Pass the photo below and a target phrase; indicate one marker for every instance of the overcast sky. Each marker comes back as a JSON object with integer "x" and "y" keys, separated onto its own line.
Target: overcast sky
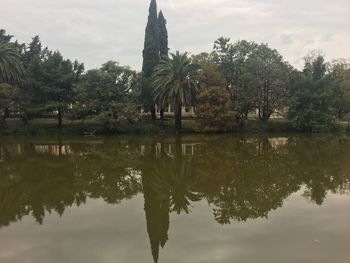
{"x": 94, "y": 31}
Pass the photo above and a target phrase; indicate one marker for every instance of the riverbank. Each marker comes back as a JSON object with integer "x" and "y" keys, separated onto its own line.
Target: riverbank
{"x": 40, "y": 127}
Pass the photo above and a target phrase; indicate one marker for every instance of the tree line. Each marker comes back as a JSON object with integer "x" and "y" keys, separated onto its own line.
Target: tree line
{"x": 37, "y": 82}
{"x": 227, "y": 86}
{"x": 245, "y": 77}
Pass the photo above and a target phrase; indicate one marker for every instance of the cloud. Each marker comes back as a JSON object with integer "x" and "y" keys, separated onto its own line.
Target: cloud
{"x": 95, "y": 31}
{"x": 287, "y": 39}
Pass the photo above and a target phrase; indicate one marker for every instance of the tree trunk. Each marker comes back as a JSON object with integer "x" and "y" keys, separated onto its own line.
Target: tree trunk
{"x": 264, "y": 116}
{"x": 340, "y": 114}
{"x": 59, "y": 118}
{"x": 153, "y": 113}
{"x": 178, "y": 116}
{"x": 3, "y": 116}
{"x": 178, "y": 148}
{"x": 162, "y": 113}
{"x": 242, "y": 123}
{"x": 7, "y": 113}
{"x": 60, "y": 146}
{"x": 2, "y": 119}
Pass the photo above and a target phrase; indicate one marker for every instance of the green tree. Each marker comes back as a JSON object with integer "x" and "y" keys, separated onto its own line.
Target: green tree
{"x": 175, "y": 82}
{"x": 5, "y": 38}
{"x": 312, "y": 96}
{"x": 214, "y": 109}
{"x": 231, "y": 60}
{"x": 256, "y": 76}
{"x": 269, "y": 77}
{"x": 31, "y": 96}
{"x": 109, "y": 95}
{"x": 58, "y": 76}
{"x": 340, "y": 74}
{"x": 150, "y": 57}
{"x": 163, "y": 35}
{"x": 8, "y": 101}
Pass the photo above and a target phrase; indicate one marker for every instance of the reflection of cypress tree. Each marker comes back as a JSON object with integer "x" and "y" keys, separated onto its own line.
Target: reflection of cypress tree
{"x": 152, "y": 215}
{"x": 164, "y": 219}
{"x": 156, "y": 207}
{"x": 157, "y": 217}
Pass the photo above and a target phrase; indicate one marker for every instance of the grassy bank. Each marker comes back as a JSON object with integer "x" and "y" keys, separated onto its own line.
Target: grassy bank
{"x": 88, "y": 127}
{"x": 37, "y": 127}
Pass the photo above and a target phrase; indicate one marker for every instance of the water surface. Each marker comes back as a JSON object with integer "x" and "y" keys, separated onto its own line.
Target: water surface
{"x": 175, "y": 199}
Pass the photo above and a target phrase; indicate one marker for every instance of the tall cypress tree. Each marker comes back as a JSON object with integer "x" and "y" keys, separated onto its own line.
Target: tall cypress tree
{"x": 163, "y": 45}
{"x": 150, "y": 57}
{"x": 163, "y": 35}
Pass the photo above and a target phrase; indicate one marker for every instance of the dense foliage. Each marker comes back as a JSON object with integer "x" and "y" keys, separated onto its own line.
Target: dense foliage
{"x": 256, "y": 76}
{"x": 108, "y": 94}
{"x": 313, "y": 94}
{"x": 163, "y": 35}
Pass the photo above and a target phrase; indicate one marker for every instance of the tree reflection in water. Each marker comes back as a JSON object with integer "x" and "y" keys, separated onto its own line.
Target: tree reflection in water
{"x": 240, "y": 177}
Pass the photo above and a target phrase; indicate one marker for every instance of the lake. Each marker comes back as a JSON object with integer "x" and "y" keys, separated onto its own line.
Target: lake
{"x": 222, "y": 198}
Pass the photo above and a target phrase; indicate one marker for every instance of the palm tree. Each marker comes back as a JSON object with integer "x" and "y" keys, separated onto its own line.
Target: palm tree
{"x": 175, "y": 83}
{"x": 11, "y": 68}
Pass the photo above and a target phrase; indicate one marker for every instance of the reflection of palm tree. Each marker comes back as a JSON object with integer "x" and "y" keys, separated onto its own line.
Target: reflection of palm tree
{"x": 179, "y": 179}
{"x": 168, "y": 185}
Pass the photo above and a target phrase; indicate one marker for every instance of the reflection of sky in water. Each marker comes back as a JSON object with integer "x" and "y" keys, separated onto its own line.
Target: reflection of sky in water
{"x": 97, "y": 232}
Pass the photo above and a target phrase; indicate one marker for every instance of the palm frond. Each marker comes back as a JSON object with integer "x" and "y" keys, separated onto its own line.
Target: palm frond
{"x": 11, "y": 68}
{"x": 174, "y": 80}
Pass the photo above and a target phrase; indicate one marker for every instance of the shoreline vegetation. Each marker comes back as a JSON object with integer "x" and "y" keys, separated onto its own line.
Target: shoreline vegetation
{"x": 48, "y": 127}
{"x": 239, "y": 86}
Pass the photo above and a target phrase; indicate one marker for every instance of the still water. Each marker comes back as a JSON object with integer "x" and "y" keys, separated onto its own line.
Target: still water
{"x": 175, "y": 199}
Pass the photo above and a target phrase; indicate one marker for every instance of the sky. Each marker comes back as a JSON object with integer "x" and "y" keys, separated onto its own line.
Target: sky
{"x": 95, "y": 31}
